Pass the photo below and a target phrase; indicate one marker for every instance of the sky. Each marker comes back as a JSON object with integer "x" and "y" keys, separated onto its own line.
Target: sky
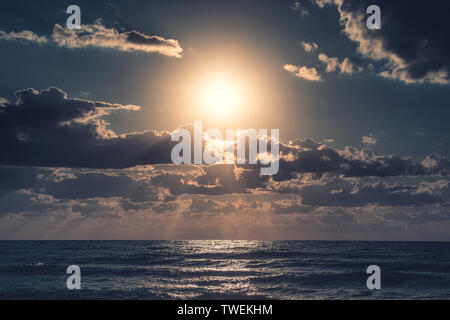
{"x": 87, "y": 115}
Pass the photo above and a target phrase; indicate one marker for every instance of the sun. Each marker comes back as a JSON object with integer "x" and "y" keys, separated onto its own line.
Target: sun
{"x": 220, "y": 97}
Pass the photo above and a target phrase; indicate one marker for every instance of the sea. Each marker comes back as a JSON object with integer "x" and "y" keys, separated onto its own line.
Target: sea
{"x": 222, "y": 269}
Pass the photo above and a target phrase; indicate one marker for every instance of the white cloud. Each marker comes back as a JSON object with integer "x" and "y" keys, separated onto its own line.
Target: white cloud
{"x": 346, "y": 66}
{"x": 23, "y": 35}
{"x": 323, "y": 3}
{"x": 310, "y": 74}
{"x": 332, "y": 64}
{"x": 310, "y": 47}
{"x": 97, "y": 35}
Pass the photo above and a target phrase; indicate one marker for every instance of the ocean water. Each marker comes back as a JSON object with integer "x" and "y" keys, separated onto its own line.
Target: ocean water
{"x": 224, "y": 269}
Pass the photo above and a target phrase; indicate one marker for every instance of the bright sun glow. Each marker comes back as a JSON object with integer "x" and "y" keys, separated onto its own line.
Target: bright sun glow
{"x": 221, "y": 97}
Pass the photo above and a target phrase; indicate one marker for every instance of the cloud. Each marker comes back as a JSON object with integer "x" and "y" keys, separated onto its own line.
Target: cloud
{"x": 413, "y": 43}
{"x": 370, "y": 140}
{"x": 47, "y": 128}
{"x": 306, "y": 73}
{"x": 310, "y": 47}
{"x": 333, "y": 191}
{"x": 3, "y": 102}
{"x": 319, "y": 191}
{"x": 309, "y": 156}
{"x": 65, "y": 172}
{"x": 25, "y": 35}
{"x": 298, "y": 7}
{"x": 97, "y": 35}
{"x": 331, "y": 63}
{"x": 436, "y": 163}
{"x": 323, "y": 3}
{"x": 39, "y": 203}
{"x": 346, "y": 66}
{"x": 419, "y": 133}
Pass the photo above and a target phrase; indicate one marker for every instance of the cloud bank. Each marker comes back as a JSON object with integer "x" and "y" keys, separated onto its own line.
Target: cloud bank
{"x": 66, "y": 175}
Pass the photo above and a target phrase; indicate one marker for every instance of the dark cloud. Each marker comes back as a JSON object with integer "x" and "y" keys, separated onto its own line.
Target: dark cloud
{"x": 339, "y": 192}
{"x": 413, "y": 40}
{"x": 104, "y": 185}
{"x": 46, "y": 128}
{"x": 306, "y": 155}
